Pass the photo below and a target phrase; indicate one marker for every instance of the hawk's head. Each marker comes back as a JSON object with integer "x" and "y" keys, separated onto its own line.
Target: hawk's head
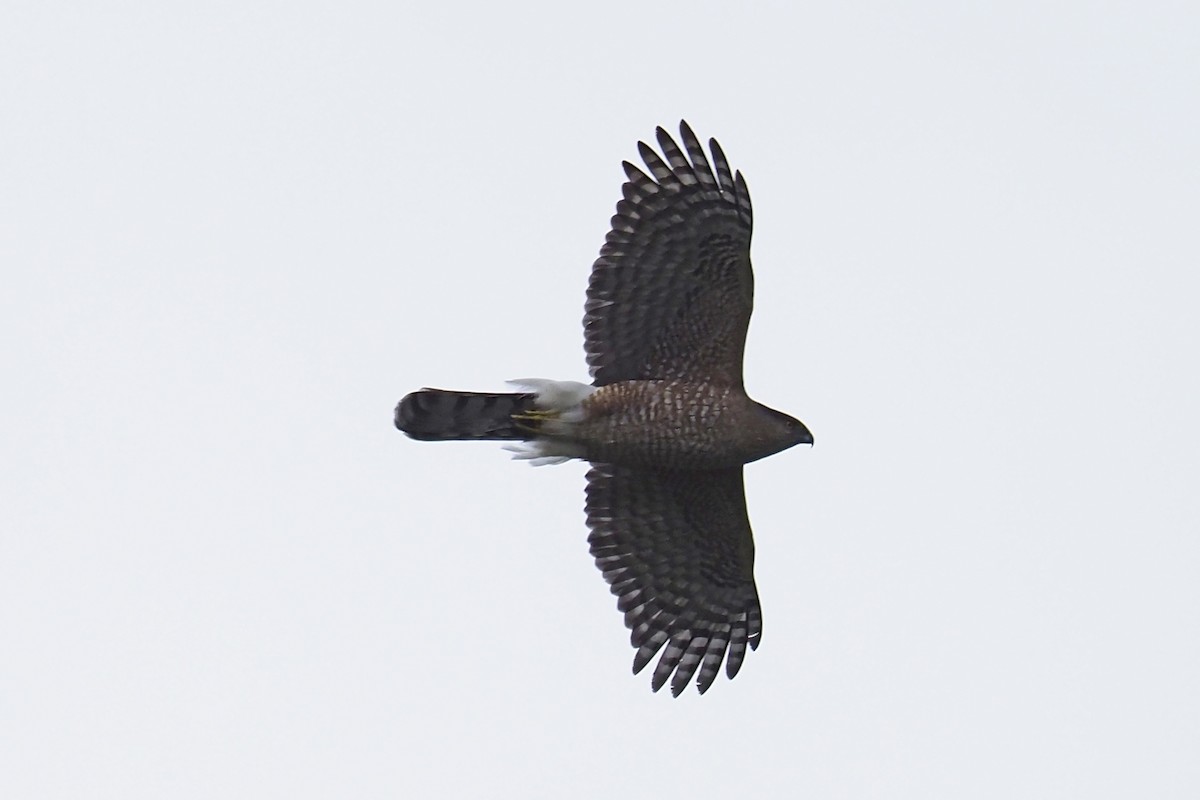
{"x": 773, "y": 431}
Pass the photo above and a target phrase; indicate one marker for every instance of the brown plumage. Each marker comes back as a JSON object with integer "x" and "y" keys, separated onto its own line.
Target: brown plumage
{"x": 666, "y": 421}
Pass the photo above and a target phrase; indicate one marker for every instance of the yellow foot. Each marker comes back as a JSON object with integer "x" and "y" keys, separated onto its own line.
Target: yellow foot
{"x": 530, "y": 421}
{"x": 535, "y": 415}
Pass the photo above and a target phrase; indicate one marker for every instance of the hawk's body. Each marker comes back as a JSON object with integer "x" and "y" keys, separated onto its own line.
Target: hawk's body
{"x": 677, "y": 424}
{"x": 666, "y": 423}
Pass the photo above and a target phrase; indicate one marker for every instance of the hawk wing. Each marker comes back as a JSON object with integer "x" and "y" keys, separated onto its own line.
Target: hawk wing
{"x": 677, "y": 551}
{"x": 671, "y": 293}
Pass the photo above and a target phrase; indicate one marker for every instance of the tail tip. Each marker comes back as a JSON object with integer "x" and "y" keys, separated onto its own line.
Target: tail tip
{"x": 406, "y": 414}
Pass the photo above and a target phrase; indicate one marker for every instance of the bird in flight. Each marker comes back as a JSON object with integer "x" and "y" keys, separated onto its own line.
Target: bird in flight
{"x": 666, "y": 422}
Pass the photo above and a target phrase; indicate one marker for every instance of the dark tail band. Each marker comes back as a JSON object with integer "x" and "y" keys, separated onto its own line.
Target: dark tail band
{"x": 439, "y": 415}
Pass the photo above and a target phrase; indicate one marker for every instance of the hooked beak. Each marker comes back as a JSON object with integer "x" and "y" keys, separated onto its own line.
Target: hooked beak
{"x": 804, "y": 435}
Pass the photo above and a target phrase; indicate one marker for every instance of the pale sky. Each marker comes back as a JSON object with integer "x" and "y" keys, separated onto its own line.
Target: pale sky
{"x": 235, "y": 234}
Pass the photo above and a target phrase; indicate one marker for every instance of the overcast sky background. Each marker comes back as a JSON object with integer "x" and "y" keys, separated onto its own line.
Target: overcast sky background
{"x": 234, "y": 234}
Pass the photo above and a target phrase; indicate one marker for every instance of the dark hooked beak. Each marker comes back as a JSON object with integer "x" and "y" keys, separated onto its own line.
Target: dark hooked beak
{"x": 803, "y": 434}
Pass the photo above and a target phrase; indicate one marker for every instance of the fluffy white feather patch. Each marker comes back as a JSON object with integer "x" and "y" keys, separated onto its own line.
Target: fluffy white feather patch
{"x": 536, "y": 453}
{"x": 561, "y": 396}
{"x": 563, "y": 399}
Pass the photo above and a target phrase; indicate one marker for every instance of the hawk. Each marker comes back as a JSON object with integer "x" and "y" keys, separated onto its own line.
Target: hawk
{"x": 666, "y": 422}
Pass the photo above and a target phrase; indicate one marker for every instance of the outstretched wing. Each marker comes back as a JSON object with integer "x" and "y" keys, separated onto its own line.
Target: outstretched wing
{"x": 676, "y": 548}
{"x": 671, "y": 294}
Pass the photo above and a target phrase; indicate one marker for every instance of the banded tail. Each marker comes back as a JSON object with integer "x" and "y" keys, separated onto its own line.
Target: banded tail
{"x": 439, "y": 415}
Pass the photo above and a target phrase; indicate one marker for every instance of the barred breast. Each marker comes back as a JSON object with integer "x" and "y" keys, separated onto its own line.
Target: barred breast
{"x": 664, "y": 424}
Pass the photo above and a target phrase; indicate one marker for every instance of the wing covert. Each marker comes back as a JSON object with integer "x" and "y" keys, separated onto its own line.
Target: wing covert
{"x": 671, "y": 294}
{"x": 676, "y": 549}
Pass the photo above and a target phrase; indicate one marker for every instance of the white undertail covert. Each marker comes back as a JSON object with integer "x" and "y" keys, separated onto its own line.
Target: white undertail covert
{"x": 562, "y": 403}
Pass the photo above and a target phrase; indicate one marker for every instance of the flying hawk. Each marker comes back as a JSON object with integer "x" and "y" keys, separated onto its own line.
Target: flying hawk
{"x": 666, "y": 422}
